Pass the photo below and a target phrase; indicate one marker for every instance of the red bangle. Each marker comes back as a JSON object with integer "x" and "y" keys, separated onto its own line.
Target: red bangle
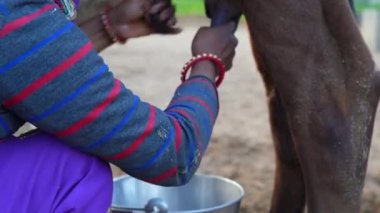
{"x": 107, "y": 26}
{"x": 205, "y": 57}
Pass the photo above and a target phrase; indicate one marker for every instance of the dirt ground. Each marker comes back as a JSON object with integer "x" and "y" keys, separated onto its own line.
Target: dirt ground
{"x": 241, "y": 147}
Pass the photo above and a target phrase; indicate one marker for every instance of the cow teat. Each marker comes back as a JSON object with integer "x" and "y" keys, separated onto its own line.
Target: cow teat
{"x": 223, "y": 11}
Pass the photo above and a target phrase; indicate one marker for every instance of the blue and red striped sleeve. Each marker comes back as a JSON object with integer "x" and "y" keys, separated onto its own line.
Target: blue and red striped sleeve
{"x": 51, "y": 76}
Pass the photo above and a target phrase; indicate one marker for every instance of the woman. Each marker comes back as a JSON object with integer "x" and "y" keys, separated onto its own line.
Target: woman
{"x": 52, "y": 77}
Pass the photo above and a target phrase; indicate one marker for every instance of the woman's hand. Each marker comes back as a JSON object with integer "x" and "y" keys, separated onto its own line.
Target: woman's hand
{"x": 162, "y": 17}
{"x": 220, "y": 41}
{"x": 135, "y": 18}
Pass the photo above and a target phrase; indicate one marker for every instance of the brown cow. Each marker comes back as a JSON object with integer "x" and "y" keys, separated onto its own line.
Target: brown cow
{"x": 323, "y": 93}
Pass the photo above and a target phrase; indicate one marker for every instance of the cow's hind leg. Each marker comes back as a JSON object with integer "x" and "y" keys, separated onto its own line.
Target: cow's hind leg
{"x": 289, "y": 190}
{"x": 333, "y": 158}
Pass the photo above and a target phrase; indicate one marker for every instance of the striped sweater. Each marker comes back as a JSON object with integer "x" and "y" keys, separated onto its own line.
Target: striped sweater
{"x": 51, "y": 76}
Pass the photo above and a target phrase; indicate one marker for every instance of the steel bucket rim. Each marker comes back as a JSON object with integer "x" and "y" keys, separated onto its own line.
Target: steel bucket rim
{"x": 222, "y": 206}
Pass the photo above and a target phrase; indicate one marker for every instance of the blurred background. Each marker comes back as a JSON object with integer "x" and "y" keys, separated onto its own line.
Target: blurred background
{"x": 368, "y": 14}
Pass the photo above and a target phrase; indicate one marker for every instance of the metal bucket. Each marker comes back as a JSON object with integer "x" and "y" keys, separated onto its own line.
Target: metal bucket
{"x": 202, "y": 194}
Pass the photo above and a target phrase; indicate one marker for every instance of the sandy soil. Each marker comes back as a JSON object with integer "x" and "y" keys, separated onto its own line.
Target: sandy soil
{"x": 241, "y": 147}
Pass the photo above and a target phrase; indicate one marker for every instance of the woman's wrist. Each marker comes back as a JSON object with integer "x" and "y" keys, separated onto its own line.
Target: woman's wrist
{"x": 207, "y": 65}
{"x": 108, "y": 20}
{"x": 94, "y": 29}
{"x": 204, "y": 68}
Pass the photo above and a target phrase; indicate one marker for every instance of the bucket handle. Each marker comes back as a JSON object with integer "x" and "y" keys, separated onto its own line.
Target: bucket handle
{"x": 154, "y": 205}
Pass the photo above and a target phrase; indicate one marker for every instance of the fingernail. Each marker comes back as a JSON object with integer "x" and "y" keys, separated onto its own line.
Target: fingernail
{"x": 171, "y": 22}
{"x": 154, "y": 9}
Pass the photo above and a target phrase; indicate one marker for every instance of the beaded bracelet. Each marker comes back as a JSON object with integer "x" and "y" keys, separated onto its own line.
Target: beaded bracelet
{"x": 68, "y": 8}
{"x": 205, "y": 57}
{"x": 107, "y": 26}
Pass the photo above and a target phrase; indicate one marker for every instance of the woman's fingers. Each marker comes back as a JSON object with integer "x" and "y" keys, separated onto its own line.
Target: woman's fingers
{"x": 127, "y": 11}
{"x": 229, "y": 60}
{"x": 167, "y": 14}
{"x": 135, "y": 29}
{"x": 172, "y": 22}
{"x": 162, "y": 17}
{"x": 228, "y": 52}
{"x": 157, "y": 7}
{"x": 229, "y": 55}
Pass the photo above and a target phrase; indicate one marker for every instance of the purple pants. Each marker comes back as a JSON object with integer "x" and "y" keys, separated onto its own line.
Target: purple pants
{"x": 38, "y": 173}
